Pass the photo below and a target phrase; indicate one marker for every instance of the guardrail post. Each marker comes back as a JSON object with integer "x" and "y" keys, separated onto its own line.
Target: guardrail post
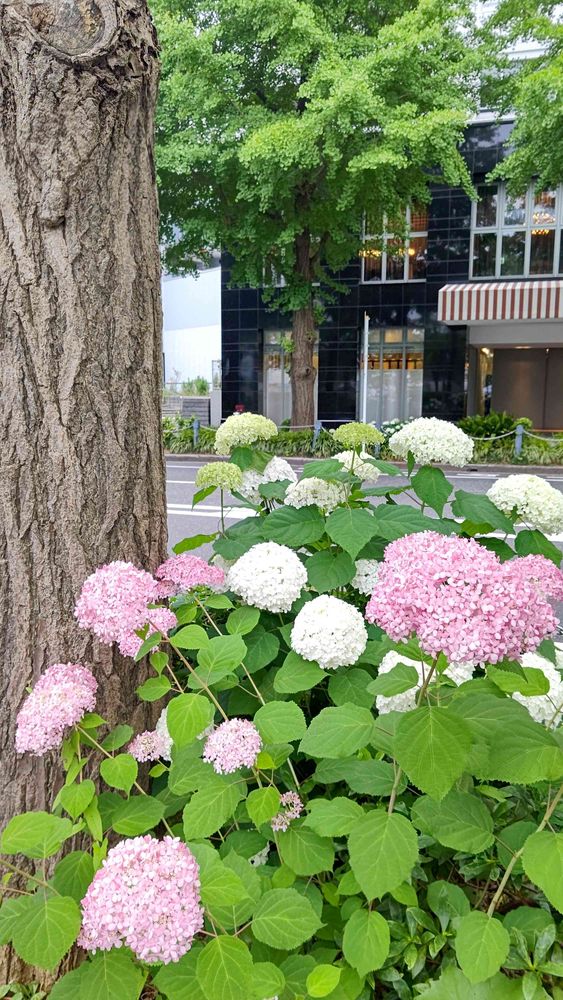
{"x": 518, "y": 439}
{"x": 196, "y": 430}
{"x": 317, "y": 428}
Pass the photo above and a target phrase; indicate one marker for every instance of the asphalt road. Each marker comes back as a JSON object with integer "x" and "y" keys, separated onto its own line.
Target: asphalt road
{"x": 204, "y": 519}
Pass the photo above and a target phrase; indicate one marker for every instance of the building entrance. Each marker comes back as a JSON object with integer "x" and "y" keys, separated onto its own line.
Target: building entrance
{"x": 394, "y": 376}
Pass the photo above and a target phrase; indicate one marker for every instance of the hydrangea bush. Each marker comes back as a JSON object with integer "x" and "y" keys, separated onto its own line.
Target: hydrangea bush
{"x": 354, "y": 787}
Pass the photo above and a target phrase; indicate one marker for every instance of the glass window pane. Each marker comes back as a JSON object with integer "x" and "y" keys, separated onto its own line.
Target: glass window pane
{"x": 512, "y": 257}
{"x": 372, "y": 265}
{"x": 395, "y": 261}
{"x": 415, "y": 334}
{"x": 418, "y": 246}
{"x": 394, "y": 335}
{"x": 487, "y": 204}
{"x": 561, "y": 255}
{"x": 484, "y": 254}
{"x": 544, "y": 209}
{"x": 541, "y": 251}
{"x": 419, "y": 219}
{"x": 515, "y": 210}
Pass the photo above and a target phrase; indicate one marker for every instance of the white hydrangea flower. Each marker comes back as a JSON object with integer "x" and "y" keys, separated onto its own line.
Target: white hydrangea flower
{"x": 162, "y": 729}
{"x": 315, "y": 491}
{"x": 545, "y": 708}
{"x": 268, "y": 576}
{"x": 538, "y": 503}
{"x": 276, "y": 471}
{"x": 243, "y": 429}
{"x": 329, "y": 631}
{"x": 356, "y": 464}
{"x": 406, "y": 701}
{"x": 366, "y": 575}
{"x": 433, "y": 440}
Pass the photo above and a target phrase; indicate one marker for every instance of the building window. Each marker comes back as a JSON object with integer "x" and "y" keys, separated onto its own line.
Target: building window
{"x": 396, "y": 258}
{"x": 516, "y": 236}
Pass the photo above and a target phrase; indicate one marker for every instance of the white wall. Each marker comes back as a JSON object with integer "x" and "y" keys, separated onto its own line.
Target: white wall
{"x": 192, "y": 324}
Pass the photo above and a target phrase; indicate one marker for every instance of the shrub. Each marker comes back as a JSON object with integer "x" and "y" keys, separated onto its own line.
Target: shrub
{"x": 384, "y": 827}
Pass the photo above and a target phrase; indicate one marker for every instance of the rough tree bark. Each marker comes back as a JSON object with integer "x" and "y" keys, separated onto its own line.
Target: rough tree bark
{"x": 81, "y": 464}
{"x": 302, "y": 371}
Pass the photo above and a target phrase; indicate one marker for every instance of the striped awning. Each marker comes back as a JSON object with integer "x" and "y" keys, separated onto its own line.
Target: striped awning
{"x": 500, "y": 301}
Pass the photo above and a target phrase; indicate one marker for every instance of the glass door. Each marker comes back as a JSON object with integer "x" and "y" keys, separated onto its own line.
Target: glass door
{"x": 394, "y": 376}
{"x": 277, "y": 383}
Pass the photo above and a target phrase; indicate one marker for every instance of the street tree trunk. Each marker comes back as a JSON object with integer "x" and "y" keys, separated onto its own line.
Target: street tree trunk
{"x": 302, "y": 372}
{"x": 81, "y": 463}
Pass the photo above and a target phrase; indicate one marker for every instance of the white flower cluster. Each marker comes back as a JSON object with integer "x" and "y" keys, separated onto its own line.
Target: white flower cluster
{"x": 406, "y": 701}
{"x": 243, "y": 429}
{"x": 538, "y": 503}
{"x": 162, "y": 729}
{"x": 329, "y": 631}
{"x": 276, "y": 471}
{"x": 366, "y": 576}
{"x": 268, "y": 576}
{"x": 355, "y": 463}
{"x": 315, "y": 491}
{"x": 546, "y": 708}
{"x": 433, "y": 440}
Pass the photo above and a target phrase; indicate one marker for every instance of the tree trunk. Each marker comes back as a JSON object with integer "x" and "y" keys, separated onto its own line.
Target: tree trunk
{"x": 302, "y": 372}
{"x": 81, "y": 462}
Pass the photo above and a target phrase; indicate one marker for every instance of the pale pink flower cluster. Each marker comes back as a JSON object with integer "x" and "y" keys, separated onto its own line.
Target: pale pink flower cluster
{"x": 159, "y": 620}
{"x": 113, "y": 600}
{"x": 292, "y": 808}
{"x": 459, "y": 599}
{"x": 150, "y": 745}
{"x": 58, "y": 701}
{"x": 235, "y": 743}
{"x": 145, "y": 896}
{"x": 186, "y": 571}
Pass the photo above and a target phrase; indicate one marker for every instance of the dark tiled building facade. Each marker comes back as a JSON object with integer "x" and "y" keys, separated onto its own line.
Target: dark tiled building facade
{"x": 430, "y": 357}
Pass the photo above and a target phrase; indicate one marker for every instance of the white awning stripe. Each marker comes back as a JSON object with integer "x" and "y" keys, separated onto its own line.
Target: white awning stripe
{"x": 500, "y": 301}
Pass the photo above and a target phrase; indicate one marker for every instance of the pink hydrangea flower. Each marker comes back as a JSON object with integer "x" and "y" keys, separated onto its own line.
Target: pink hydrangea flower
{"x": 150, "y": 745}
{"x": 459, "y": 599}
{"x": 146, "y": 896}
{"x": 58, "y": 701}
{"x": 159, "y": 620}
{"x": 235, "y": 743}
{"x": 113, "y": 600}
{"x": 292, "y": 807}
{"x": 186, "y": 571}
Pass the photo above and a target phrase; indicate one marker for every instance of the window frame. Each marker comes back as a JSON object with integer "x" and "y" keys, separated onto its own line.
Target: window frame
{"x": 500, "y": 230}
{"x": 411, "y": 235}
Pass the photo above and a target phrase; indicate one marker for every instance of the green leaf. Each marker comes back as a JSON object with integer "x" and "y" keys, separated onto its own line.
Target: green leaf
{"x": 543, "y": 863}
{"x": 284, "y": 919}
{"x": 297, "y": 674}
{"x": 280, "y": 722}
{"x": 262, "y": 805}
{"x": 35, "y": 834}
{"x": 178, "y": 980}
{"x": 447, "y": 901}
{"x": 190, "y": 637}
{"x": 154, "y": 688}
{"x": 267, "y": 980}
{"x": 338, "y": 732}
{"x": 302, "y": 850}
{"x": 73, "y": 875}
{"x": 117, "y": 738}
{"x": 262, "y": 648}
{"x": 332, "y": 817}
{"x": 76, "y": 797}
{"x": 10, "y": 911}
{"x": 46, "y": 929}
{"x": 194, "y": 542}
{"x": 432, "y": 746}
{"x": 480, "y": 510}
{"x": 481, "y": 945}
{"x": 329, "y": 469}
{"x": 522, "y": 755}
{"x": 350, "y": 686}
{"x": 187, "y": 717}
{"x": 224, "y": 969}
{"x": 239, "y": 539}
{"x": 453, "y": 985}
{"x": 328, "y": 569}
{"x": 529, "y": 543}
{"x": 393, "y": 521}
{"x": 322, "y": 980}
{"x": 401, "y": 678}
{"x": 432, "y": 487}
{"x": 120, "y": 772}
{"x": 137, "y": 815}
{"x": 383, "y": 851}
{"x": 367, "y": 777}
{"x": 211, "y": 806}
{"x": 533, "y": 682}
{"x": 187, "y": 772}
{"x": 242, "y": 620}
{"x": 67, "y": 988}
{"x": 223, "y": 652}
{"x": 294, "y": 526}
{"x": 111, "y": 975}
{"x": 366, "y": 941}
{"x": 351, "y": 528}
{"x": 529, "y": 921}
{"x": 510, "y": 839}
{"x": 460, "y": 821}
{"x": 220, "y": 886}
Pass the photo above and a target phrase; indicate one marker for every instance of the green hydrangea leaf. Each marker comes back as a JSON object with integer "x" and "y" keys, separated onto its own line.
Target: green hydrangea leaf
{"x": 187, "y": 716}
{"x": 432, "y": 487}
{"x": 35, "y": 834}
{"x": 224, "y": 969}
{"x": 178, "y": 980}
{"x": 262, "y": 805}
{"x": 460, "y": 821}
{"x": 111, "y": 975}
{"x": 338, "y": 732}
{"x": 294, "y": 526}
{"x": 212, "y": 805}
{"x": 45, "y": 930}
{"x": 481, "y": 945}
{"x": 432, "y": 745}
{"x": 322, "y": 980}
{"x": 280, "y": 722}
{"x": 383, "y": 851}
{"x": 120, "y": 772}
{"x": 366, "y": 941}
{"x": 304, "y": 851}
{"x": 351, "y": 528}
{"x": 297, "y": 674}
{"x": 284, "y": 919}
{"x": 543, "y": 863}
{"x": 332, "y": 817}
{"x": 327, "y": 570}
{"x": 76, "y": 798}
{"x": 73, "y": 874}
{"x": 137, "y": 815}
